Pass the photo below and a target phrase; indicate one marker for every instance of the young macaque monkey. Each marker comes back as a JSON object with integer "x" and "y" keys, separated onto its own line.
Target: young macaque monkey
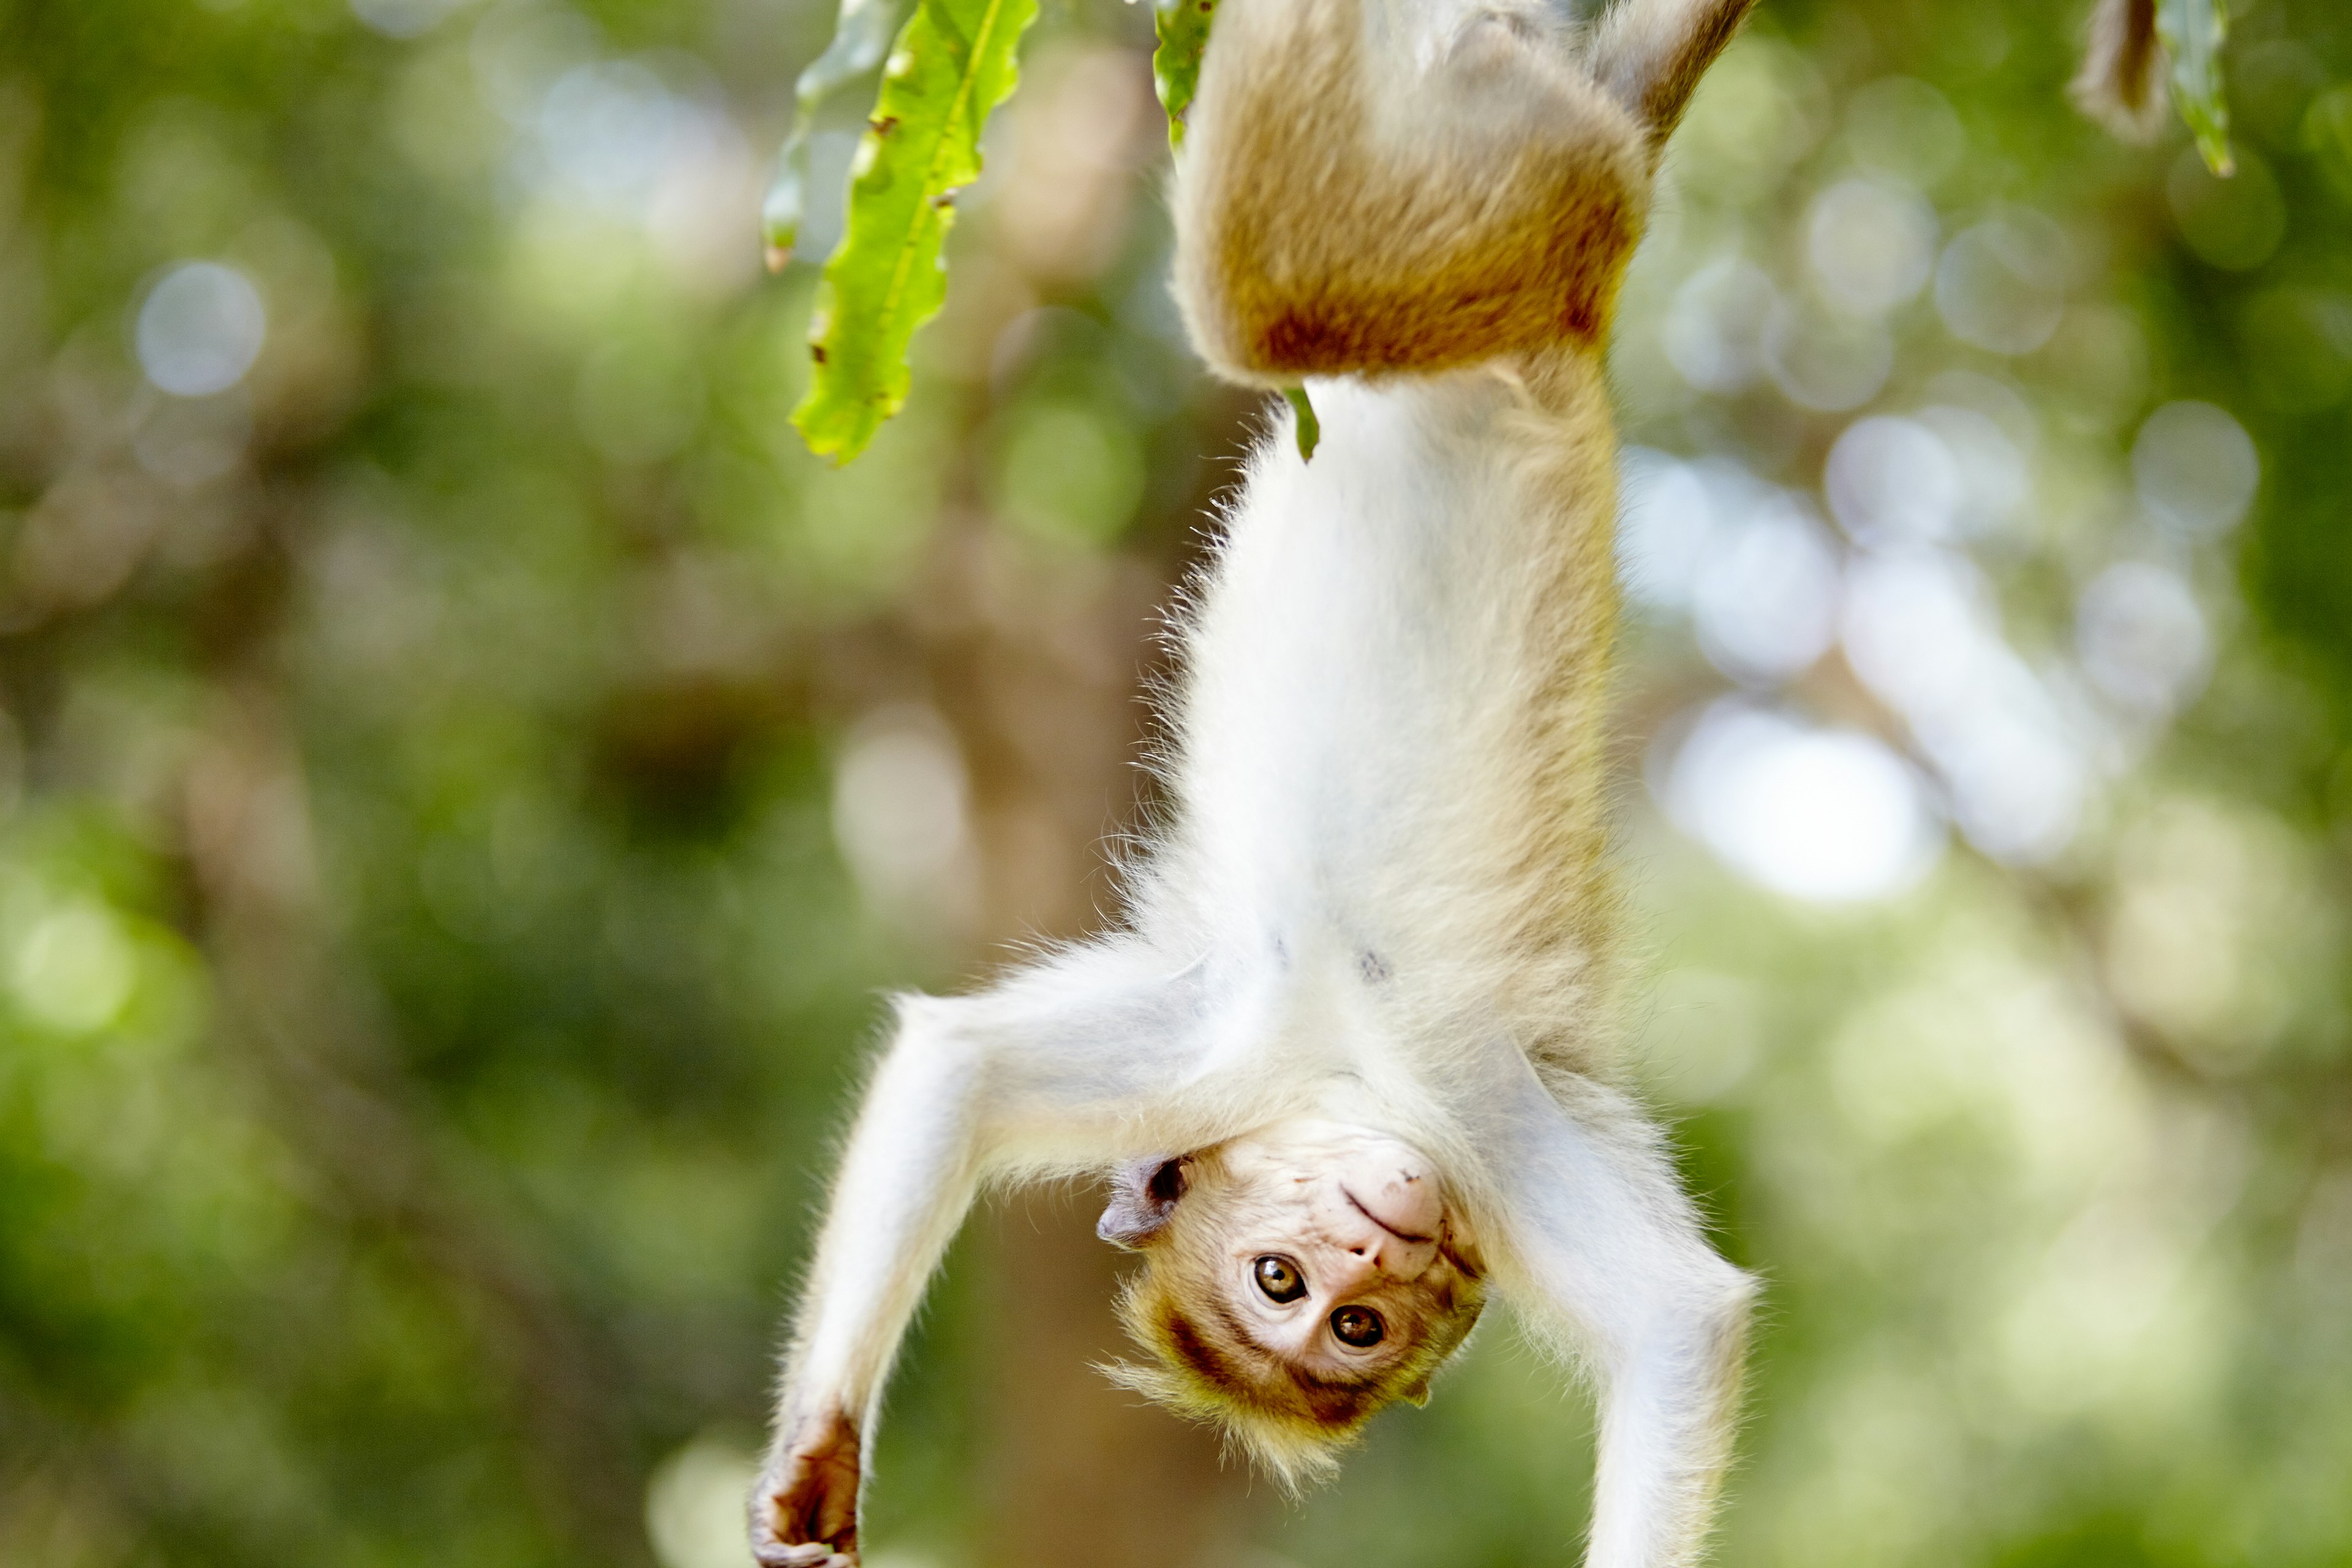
{"x": 1352, "y": 1057}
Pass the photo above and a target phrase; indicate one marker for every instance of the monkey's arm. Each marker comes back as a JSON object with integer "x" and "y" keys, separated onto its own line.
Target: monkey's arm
{"x": 1060, "y": 1066}
{"x": 1603, "y": 1256}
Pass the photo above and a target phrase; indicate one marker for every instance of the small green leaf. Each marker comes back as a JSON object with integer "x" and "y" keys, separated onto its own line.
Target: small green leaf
{"x": 2192, "y": 32}
{"x": 1310, "y": 429}
{"x": 861, "y": 35}
{"x": 954, "y": 63}
{"x": 1184, "y": 29}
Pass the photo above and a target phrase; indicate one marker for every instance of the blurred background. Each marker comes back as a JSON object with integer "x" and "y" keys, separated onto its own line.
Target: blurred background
{"x": 468, "y": 777}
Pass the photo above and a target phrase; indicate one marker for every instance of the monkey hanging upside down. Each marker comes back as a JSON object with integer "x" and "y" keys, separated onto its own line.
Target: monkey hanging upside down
{"x": 1353, "y": 1054}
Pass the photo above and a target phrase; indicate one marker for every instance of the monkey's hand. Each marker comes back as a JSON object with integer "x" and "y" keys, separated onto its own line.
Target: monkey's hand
{"x": 804, "y": 1512}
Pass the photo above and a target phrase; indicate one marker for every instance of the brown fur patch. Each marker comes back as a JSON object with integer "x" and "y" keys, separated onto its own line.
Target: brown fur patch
{"x": 1320, "y": 240}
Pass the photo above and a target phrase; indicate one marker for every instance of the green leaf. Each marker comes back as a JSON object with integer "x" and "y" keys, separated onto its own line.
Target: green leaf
{"x": 1310, "y": 429}
{"x": 954, "y": 63}
{"x": 1182, "y": 27}
{"x": 2192, "y": 32}
{"x": 861, "y": 35}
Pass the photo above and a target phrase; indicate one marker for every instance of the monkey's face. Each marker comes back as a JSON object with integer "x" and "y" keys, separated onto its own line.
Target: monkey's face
{"x": 1328, "y": 1244}
{"x": 1306, "y": 1274}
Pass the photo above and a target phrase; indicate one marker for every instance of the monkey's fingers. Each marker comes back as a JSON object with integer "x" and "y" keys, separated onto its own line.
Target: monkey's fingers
{"x": 803, "y": 1554}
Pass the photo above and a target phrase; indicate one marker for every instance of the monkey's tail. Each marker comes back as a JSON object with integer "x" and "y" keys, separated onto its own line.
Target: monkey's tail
{"x": 2121, "y": 84}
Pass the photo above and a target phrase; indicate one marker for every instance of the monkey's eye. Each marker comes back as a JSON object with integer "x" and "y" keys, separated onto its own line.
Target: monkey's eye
{"x": 1278, "y": 1278}
{"x": 1358, "y": 1326}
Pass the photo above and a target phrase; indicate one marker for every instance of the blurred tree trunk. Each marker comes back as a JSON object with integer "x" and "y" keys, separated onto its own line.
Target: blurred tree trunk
{"x": 1037, "y": 665}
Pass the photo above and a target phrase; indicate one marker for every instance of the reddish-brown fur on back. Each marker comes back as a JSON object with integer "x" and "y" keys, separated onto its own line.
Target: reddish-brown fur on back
{"x": 1329, "y": 229}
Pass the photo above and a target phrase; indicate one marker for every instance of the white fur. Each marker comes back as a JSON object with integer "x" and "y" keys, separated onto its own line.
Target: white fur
{"x": 1372, "y": 903}
{"x": 1351, "y": 669}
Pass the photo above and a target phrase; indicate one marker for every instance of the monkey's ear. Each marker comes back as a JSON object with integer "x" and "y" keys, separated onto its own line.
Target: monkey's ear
{"x": 1417, "y": 1396}
{"x": 1649, "y": 53}
{"x": 1142, "y": 1195}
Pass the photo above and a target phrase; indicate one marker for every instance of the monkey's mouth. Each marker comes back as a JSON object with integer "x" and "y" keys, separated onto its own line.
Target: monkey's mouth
{"x": 1357, "y": 1205}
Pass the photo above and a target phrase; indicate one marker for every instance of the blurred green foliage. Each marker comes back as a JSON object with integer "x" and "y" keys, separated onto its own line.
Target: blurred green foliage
{"x": 465, "y": 771}
{"x": 2192, "y": 32}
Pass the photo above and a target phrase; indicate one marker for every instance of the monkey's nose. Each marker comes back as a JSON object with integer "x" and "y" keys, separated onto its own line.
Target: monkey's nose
{"x": 1384, "y": 1248}
{"x": 1403, "y": 1203}
{"x": 1393, "y": 1256}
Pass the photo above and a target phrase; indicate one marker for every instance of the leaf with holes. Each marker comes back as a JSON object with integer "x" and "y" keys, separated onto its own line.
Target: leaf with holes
{"x": 861, "y": 36}
{"x": 954, "y": 63}
{"x": 2192, "y": 32}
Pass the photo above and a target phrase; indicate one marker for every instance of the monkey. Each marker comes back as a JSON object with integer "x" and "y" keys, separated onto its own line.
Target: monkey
{"x": 1351, "y": 1055}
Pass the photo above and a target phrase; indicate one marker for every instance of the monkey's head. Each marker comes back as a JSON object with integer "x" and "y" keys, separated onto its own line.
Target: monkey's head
{"x": 1296, "y": 1280}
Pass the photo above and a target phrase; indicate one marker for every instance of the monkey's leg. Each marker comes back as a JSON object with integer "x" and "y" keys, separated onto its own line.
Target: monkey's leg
{"x": 1649, "y": 53}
